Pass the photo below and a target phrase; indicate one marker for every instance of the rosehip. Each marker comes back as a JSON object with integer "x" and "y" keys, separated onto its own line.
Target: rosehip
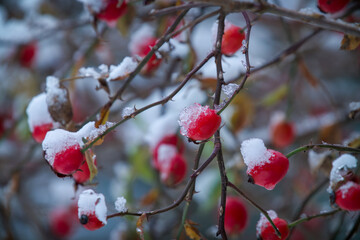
{"x": 143, "y": 49}
{"x": 198, "y": 122}
{"x": 348, "y": 196}
{"x": 39, "y": 119}
{"x": 236, "y": 216}
{"x": 92, "y": 210}
{"x": 232, "y": 39}
{"x": 61, "y": 222}
{"x": 175, "y": 171}
{"x": 266, "y": 167}
{"x": 282, "y": 134}
{"x": 171, "y": 140}
{"x": 265, "y": 231}
{"x": 62, "y": 151}
{"x": 112, "y": 11}
{"x": 83, "y": 173}
{"x": 27, "y": 54}
{"x": 332, "y": 6}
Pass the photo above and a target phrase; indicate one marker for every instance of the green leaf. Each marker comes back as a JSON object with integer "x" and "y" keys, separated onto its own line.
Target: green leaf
{"x": 141, "y": 164}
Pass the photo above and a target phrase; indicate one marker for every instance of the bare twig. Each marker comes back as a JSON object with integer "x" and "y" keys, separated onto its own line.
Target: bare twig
{"x": 308, "y": 218}
{"x": 324, "y": 145}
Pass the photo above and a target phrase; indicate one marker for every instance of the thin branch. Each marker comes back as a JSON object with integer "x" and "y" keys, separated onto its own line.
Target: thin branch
{"x": 163, "y": 101}
{"x": 324, "y": 145}
{"x": 308, "y": 218}
{"x": 230, "y": 184}
{"x": 171, "y": 10}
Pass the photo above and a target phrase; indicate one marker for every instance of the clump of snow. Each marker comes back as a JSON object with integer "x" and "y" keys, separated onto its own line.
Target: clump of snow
{"x": 175, "y": 48}
{"x": 277, "y": 117}
{"x": 140, "y": 36}
{"x": 91, "y": 202}
{"x": 254, "y": 152}
{"x": 120, "y": 205}
{"x": 56, "y": 141}
{"x": 309, "y": 11}
{"x": 55, "y": 95}
{"x": 263, "y": 220}
{"x": 127, "y": 66}
{"x": 229, "y": 89}
{"x": 37, "y": 112}
{"x": 95, "y": 5}
{"x": 89, "y": 72}
{"x": 90, "y": 132}
{"x": 127, "y": 112}
{"x": 339, "y": 166}
{"x": 345, "y": 188}
{"x": 354, "y": 106}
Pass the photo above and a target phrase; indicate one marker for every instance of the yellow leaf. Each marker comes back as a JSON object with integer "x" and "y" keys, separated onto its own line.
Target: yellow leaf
{"x": 90, "y": 160}
{"x": 104, "y": 115}
{"x": 191, "y": 231}
{"x": 124, "y": 23}
{"x": 140, "y": 227}
{"x": 275, "y": 96}
{"x": 150, "y": 197}
{"x": 349, "y": 42}
{"x": 243, "y": 111}
{"x": 307, "y": 74}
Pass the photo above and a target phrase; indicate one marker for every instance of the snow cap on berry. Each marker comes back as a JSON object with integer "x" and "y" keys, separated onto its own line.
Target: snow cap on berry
{"x": 340, "y": 165}
{"x": 120, "y": 205}
{"x": 37, "y": 112}
{"x": 263, "y": 220}
{"x": 345, "y": 188}
{"x": 254, "y": 152}
{"x": 165, "y": 153}
{"x": 91, "y": 202}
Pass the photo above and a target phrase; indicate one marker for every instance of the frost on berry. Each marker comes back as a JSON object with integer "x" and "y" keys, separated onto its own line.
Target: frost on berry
{"x": 198, "y": 122}
{"x": 39, "y": 119}
{"x": 340, "y": 167}
{"x": 58, "y": 101}
{"x": 236, "y": 216}
{"x": 347, "y": 196}
{"x": 266, "y": 167}
{"x": 332, "y": 6}
{"x": 92, "y": 210}
{"x": 265, "y": 231}
{"x": 62, "y": 151}
{"x": 120, "y": 205}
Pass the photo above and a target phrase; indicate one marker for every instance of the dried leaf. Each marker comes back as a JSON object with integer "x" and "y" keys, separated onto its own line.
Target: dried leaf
{"x": 104, "y": 115}
{"x": 191, "y": 231}
{"x": 307, "y": 74}
{"x": 124, "y": 23}
{"x": 275, "y": 96}
{"x": 349, "y": 42}
{"x": 208, "y": 83}
{"x": 243, "y": 111}
{"x": 150, "y": 198}
{"x": 331, "y": 133}
{"x": 140, "y": 227}
{"x": 354, "y": 143}
{"x": 90, "y": 160}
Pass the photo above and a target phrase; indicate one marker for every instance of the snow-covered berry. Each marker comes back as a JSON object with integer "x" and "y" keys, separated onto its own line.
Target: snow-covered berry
{"x": 92, "y": 210}
{"x": 265, "y": 231}
{"x": 172, "y": 139}
{"x": 198, "y": 122}
{"x": 236, "y": 216}
{"x": 347, "y": 196}
{"x": 266, "y": 167}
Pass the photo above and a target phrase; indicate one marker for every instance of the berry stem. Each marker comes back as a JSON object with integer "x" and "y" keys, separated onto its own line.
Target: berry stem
{"x": 305, "y": 219}
{"x": 323, "y": 145}
{"x": 230, "y": 184}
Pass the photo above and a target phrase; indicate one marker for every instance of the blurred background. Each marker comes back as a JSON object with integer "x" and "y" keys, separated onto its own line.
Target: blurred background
{"x": 312, "y": 90}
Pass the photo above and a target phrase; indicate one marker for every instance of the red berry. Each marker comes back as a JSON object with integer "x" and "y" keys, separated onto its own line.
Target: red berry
{"x": 40, "y": 131}
{"x": 61, "y": 222}
{"x": 92, "y": 210}
{"x": 232, "y": 39}
{"x": 171, "y": 140}
{"x": 269, "y": 174}
{"x": 62, "y": 151}
{"x": 112, "y": 11}
{"x": 347, "y": 196}
{"x": 173, "y": 171}
{"x": 265, "y": 230}
{"x": 198, "y": 123}
{"x": 236, "y": 216}
{"x": 143, "y": 49}
{"x": 83, "y": 173}
{"x": 282, "y": 134}
{"x": 332, "y": 6}
{"x": 27, "y": 54}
